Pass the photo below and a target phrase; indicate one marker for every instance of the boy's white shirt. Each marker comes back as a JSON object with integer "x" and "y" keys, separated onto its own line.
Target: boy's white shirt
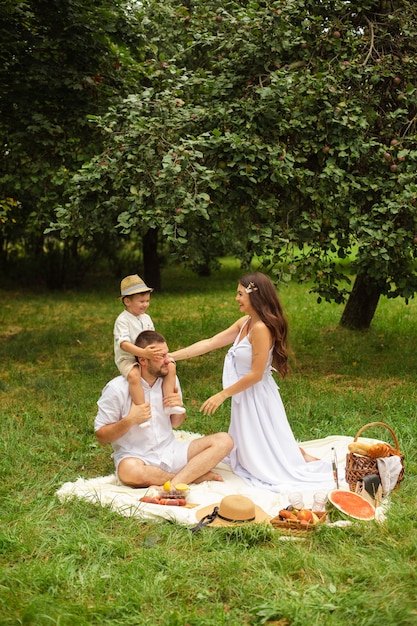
{"x": 126, "y": 328}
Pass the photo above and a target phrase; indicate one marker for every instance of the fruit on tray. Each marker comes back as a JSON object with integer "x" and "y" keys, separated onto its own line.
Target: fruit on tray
{"x": 285, "y": 514}
{"x": 172, "y": 495}
{"x": 305, "y": 515}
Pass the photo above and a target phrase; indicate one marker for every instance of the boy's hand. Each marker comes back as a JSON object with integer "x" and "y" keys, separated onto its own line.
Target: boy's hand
{"x": 152, "y": 351}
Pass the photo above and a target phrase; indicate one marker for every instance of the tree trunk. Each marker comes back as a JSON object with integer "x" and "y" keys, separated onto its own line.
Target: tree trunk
{"x": 151, "y": 261}
{"x": 361, "y": 305}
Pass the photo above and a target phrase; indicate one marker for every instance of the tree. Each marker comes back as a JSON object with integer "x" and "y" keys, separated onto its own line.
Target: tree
{"x": 283, "y": 129}
{"x": 60, "y": 61}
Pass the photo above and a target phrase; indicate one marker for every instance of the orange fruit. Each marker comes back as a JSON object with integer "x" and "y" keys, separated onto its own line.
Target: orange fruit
{"x": 305, "y": 515}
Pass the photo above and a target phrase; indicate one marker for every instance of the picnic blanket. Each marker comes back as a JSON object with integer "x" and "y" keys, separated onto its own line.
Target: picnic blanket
{"x": 107, "y": 490}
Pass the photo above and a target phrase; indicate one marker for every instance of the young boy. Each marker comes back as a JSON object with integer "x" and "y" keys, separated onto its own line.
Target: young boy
{"x": 135, "y": 296}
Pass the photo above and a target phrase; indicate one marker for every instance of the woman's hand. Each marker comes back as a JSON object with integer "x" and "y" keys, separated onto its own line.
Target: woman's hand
{"x": 212, "y": 404}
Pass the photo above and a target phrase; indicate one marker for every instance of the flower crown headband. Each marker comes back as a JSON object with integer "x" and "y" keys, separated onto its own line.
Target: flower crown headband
{"x": 251, "y": 287}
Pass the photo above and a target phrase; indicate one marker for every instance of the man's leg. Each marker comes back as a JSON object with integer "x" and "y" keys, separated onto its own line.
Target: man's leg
{"x": 203, "y": 455}
{"x": 134, "y": 473}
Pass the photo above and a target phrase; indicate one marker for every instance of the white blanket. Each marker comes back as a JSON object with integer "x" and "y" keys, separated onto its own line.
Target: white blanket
{"x": 107, "y": 491}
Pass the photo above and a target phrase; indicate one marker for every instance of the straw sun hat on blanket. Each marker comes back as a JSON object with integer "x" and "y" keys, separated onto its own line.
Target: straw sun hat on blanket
{"x": 233, "y": 510}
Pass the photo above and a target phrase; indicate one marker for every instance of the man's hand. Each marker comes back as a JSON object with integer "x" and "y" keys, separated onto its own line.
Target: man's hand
{"x": 139, "y": 413}
{"x": 172, "y": 399}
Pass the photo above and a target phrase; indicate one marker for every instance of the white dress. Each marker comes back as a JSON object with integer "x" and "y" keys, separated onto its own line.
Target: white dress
{"x": 265, "y": 451}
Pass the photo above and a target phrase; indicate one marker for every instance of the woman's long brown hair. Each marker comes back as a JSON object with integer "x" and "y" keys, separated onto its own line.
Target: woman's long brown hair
{"x": 264, "y": 299}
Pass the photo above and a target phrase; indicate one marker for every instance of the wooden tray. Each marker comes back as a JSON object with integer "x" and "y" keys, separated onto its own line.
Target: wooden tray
{"x": 294, "y": 526}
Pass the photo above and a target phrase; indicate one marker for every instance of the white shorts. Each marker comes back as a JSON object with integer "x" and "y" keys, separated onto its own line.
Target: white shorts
{"x": 173, "y": 459}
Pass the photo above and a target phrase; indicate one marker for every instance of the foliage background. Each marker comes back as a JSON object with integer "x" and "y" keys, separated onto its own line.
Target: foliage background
{"x": 285, "y": 130}
{"x": 281, "y": 129}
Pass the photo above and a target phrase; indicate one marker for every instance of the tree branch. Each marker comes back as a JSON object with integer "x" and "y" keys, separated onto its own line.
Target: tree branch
{"x": 371, "y": 45}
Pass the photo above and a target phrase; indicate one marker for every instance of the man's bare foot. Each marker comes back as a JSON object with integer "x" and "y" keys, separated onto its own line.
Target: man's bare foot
{"x": 209, "y": 476}
{"x": 308, "y": 458}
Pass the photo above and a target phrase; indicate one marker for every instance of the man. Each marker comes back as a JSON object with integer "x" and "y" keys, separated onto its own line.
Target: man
{"x": 151, "y": 456}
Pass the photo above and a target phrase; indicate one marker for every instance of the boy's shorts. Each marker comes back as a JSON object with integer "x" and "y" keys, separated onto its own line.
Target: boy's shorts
{"x": 126, "y": 365}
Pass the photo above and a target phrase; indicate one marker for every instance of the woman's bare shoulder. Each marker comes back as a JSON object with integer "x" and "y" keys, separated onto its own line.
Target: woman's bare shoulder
{"x": 260, "y": 331}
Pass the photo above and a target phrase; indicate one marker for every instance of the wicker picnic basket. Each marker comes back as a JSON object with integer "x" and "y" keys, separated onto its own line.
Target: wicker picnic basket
{"x": 358, "y": 466}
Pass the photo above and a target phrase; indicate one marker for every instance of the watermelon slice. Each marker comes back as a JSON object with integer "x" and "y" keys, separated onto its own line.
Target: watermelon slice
{"x": 352, "y": 504}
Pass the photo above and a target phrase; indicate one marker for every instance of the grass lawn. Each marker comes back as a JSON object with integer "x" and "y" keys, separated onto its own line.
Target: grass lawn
{"x": 79, "y": 564}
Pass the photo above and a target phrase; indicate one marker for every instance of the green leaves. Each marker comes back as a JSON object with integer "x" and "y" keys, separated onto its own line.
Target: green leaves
{"x": 285, "y": 130}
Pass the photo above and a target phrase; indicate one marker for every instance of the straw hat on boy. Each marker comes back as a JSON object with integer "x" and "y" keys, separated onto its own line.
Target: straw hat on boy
{"x": 133, "y": 284}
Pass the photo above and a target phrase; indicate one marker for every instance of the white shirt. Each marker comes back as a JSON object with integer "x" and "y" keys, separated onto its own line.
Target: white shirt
{"x": 126, "y": 328}
{"x": 153, "y": 444}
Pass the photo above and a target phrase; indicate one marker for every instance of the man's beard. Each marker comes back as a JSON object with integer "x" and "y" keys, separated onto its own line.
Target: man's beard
{"x": 155, "y": 371}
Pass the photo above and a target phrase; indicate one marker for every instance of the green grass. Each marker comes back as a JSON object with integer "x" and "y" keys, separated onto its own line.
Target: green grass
{"x": 80, "y": 564}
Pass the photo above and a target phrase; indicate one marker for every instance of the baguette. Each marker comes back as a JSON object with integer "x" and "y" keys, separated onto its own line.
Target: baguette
{"x": 359, "y": 448}
{"x": 373, "y": 450}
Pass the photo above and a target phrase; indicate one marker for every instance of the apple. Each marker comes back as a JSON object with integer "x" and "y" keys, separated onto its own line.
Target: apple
{"x": 397, "y": 80}
{"x": 336, "y": 34}
{"x": 394, "y": 142}
{"x": 326, "y": 149}
{"x": 393, "y": 167}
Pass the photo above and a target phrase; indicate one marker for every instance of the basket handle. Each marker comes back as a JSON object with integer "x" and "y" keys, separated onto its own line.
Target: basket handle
{"x": 360, "y": 431}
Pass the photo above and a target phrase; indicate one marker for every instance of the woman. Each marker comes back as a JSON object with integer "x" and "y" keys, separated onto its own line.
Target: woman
{"x": 265, "y": 451}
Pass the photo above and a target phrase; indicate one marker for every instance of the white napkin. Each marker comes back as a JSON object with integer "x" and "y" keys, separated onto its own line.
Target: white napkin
{"x": 389, "y": 469}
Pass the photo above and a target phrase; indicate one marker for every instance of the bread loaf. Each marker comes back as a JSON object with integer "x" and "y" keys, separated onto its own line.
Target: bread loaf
{"x": 359, "y": 448}
{"x": 373, "y": 450}
{"x": 378, "y": 450}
